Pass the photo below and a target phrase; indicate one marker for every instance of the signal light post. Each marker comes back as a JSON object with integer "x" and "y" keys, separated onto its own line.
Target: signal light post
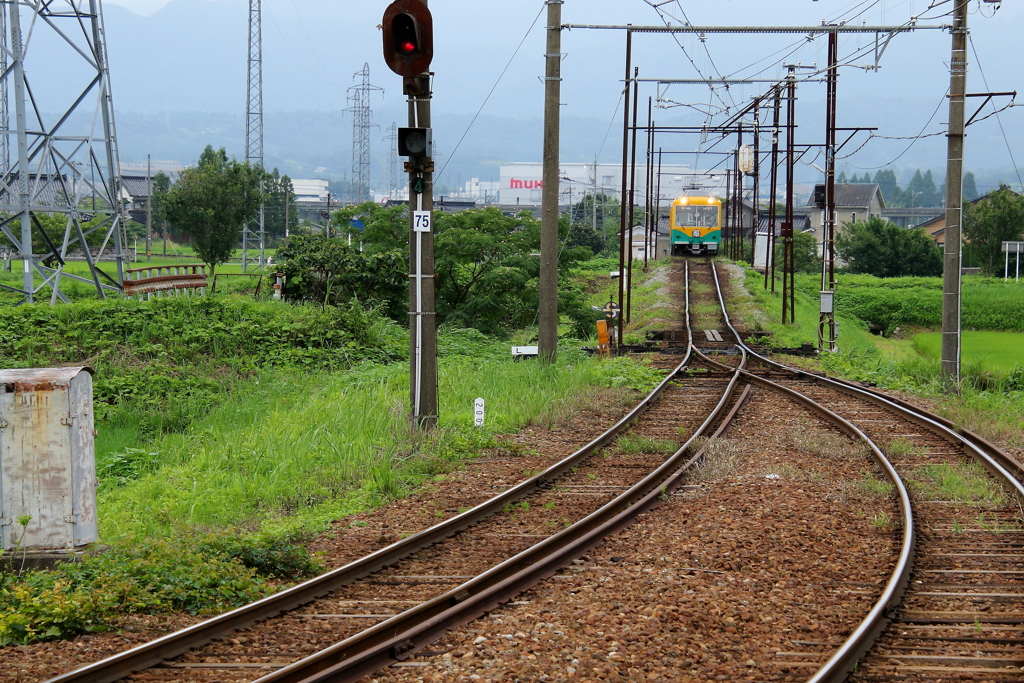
{"x": 408, "y": 50}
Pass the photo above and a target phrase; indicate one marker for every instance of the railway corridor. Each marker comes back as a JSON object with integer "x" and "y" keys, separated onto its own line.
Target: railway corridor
{"x": 756, "y": 561}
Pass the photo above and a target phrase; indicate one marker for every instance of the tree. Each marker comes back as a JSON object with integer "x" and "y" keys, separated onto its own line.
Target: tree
{"x": 383, "y": 227}
{"x": 880, "y": 248}
{"x": 329, "y": 271}
{"x": 891, "y": 192}
{"x": 970, "y": 188}
{"x": 279, "y": 194}
{"x": 988, "y": 223}
{"x": 805, "y": 253}
{"x": 212, "y": 201}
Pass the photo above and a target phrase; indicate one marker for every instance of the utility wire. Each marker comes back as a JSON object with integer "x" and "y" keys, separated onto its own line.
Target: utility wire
{"x": 912, "y": 142}
{"x": 312, "y": 46}
{"x": 493, "y": 87}
{"x": 984, "y": 80}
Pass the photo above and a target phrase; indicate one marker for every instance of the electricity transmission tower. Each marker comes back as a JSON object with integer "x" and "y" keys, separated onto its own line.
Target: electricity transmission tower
{"x": 359, "y": 105}
{"x": 60, "y": 179}
{"x": 254, "y": 233}
{"x": 392, "y": 139}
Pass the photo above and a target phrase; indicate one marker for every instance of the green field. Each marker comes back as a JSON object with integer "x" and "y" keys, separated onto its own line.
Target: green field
{"x": 996, "y": 351}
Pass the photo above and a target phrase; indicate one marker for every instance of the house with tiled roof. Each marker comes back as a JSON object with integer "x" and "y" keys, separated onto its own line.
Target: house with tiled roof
{"x": 854, "y": 202}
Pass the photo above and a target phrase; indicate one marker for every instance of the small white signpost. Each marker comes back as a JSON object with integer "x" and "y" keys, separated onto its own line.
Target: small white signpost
{"x": 478, "y": 412}
{"x": 421, "y": 221}
{"x": 1016, "y": 248}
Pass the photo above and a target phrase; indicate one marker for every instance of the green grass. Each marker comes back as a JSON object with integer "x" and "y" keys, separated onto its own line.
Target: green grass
{"x": 636, "y": 445}
{"x": 651, "y": 304}
{"x": 997, "y": 351}
{"x": 966, "y": 483}
{"x": 229, "y": 275}
{"x": 767, "y": 314}
{"x": 297, "y": 450}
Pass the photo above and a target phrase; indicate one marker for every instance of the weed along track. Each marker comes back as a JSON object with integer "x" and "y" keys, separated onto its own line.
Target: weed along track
{"x": 385, "y": 607}
{"x": 956, "y": 606}
{"x": 747, "y": 521}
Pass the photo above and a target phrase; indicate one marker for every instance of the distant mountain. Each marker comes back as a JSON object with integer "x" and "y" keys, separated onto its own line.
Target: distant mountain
{"x": 179, "y": 84}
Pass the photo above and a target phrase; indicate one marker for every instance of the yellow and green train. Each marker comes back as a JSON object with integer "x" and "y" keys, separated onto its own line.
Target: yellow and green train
{"x": 696, "y": 225}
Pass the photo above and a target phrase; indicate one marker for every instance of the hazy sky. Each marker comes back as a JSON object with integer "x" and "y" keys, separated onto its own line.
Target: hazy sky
{"x": 311, "y": 48}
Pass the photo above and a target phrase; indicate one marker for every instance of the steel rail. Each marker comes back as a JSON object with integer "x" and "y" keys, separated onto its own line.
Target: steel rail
{"x": 845, "y": 658}
{"x": 149, "y": 654}
{"x": 837, "y": 668}
{"x": 400, "y": 636}
{"x": 997, "y": 462}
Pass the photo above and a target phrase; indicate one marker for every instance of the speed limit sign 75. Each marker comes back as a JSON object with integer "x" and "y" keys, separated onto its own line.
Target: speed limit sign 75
{"x": 421, "y": 221}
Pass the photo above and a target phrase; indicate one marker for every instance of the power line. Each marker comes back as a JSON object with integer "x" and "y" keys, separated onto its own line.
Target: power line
{"x": 912, "y": 142}
{"x": 996, "y": 113}
{"x": 493, "y": 87}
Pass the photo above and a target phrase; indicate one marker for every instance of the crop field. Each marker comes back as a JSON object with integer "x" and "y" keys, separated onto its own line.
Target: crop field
{"x": 995, "y": 351}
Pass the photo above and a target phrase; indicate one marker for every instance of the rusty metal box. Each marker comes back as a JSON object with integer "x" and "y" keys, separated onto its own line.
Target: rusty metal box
{"x": 47, "y": 459}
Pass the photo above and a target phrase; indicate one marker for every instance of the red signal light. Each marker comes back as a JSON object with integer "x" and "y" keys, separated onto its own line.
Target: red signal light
{"x": 408, "y": 37}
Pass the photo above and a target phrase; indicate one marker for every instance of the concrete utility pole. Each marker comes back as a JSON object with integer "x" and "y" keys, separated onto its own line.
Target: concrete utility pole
{"x": 547, "y": 332}
{"x": 827, "y": 317}
{"x": 954, "y": 199}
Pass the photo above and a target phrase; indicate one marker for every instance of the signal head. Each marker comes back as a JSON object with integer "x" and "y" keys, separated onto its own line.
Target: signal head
{"x": 408, "y": 37}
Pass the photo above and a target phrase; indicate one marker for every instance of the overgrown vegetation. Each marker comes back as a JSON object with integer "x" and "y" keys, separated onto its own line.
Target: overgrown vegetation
{"x": 294, "y": 421}
{"x": 195, "y": 573}
{"x": 162, "y": 364}
{"x": 486, "y": 265}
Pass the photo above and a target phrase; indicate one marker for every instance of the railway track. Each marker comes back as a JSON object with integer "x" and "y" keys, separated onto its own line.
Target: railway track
{"x": 381, "y": 609}
{"x": 954, "y": 609}
{"x": 950, "y": 610}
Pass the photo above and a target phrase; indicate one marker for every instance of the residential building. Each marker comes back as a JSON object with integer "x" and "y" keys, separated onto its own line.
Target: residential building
{"x": 854, "y": 202}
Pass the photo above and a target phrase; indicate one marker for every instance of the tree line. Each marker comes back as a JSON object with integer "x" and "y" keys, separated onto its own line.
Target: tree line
{"x": 218, "y": 190}
{"x": 921, "y": 191}
{"x": 878, "y": 247}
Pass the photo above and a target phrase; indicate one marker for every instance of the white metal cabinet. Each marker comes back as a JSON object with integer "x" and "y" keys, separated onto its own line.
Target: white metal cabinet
{"x": 47, "y": 459}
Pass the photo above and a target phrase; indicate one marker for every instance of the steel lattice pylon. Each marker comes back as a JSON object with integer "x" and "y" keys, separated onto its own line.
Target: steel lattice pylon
{"x": 392, "y": 139}
{"x": 60, "y": 180}
{"x": 359, "y": 105}
{"x": 254, "y": 234}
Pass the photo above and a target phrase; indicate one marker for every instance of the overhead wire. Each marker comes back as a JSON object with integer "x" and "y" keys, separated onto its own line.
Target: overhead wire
{"x": 984, "y": 80}
{"x": 312, "y": 46}
{"x": 913, "y": 140}
{"x": 662, "y": 14}
{"x": 493, "y": 88}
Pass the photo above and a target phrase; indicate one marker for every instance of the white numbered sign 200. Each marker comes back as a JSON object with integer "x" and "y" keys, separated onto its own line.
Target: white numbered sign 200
{"x": 421, "y": 221}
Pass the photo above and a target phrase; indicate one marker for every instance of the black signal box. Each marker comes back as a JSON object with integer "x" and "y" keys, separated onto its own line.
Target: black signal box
{"x": 819, "y": 196}
{"x": 415, "y": 143}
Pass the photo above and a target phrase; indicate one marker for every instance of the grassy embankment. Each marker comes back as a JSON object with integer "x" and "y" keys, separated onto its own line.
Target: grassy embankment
{"x": 229, "y": 430}
{"x": 991, "y": 396}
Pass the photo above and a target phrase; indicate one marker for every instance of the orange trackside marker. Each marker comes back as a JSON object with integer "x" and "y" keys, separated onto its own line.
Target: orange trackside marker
{"x": 602, "y": 339}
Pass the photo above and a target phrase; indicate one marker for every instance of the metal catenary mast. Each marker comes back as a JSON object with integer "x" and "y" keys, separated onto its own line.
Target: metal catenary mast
{"x": 60, "y": 180}
{"x": 359, "y": 105}
{"x": 254, "y": 233}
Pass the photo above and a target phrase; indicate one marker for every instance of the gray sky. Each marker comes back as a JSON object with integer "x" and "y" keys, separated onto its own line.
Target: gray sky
{"x": 312, "y": 48}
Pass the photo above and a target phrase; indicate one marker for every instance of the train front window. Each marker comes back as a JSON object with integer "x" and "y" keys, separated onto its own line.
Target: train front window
{"x": 690, "y": 216}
